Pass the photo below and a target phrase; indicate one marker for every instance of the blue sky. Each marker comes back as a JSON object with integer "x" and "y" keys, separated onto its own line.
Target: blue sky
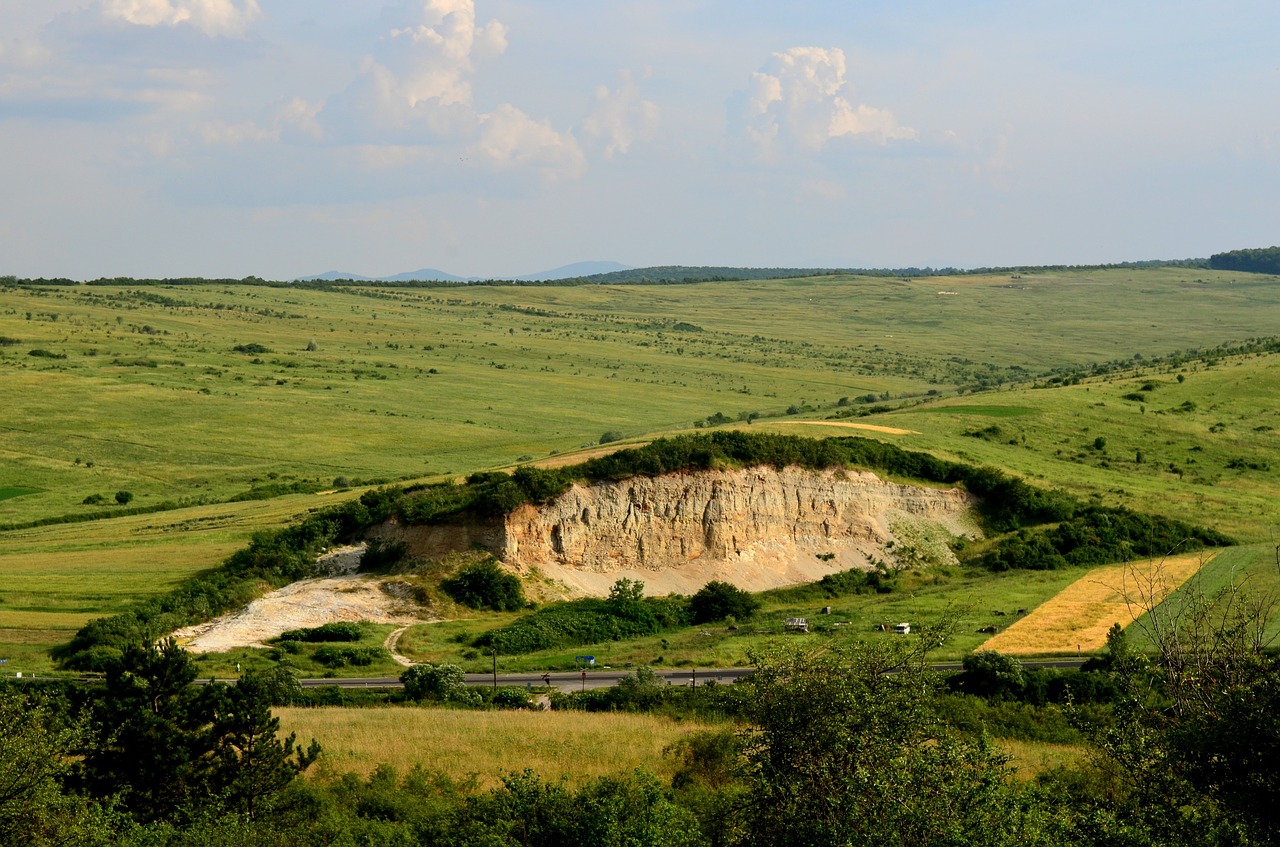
{"x": 284, "y": 137}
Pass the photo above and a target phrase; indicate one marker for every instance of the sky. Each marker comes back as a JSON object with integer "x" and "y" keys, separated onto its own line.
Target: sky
{"x": 280, "y": 138}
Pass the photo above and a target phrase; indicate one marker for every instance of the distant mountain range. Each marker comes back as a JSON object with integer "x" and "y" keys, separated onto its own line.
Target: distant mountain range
{"x": 573, "y": 271}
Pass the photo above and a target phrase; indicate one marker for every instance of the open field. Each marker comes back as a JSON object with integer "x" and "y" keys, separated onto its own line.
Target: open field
{"x": 1078, "y": 618}
{"x": 487, "y": 745}
{"x": 1029, "y": 758}
{"x": 1194, "y": 442}
{"x": 152, "y": 398}
{"x": 466, "y": 745}
{"x": 1254, "y": 574}
{"x": 55, "y": 578}
{"x": 972, "y": 601}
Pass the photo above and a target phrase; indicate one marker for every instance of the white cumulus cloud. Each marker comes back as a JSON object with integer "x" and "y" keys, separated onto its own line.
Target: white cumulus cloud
{"x": 800, "y": 100}
{"x": 212, "y": 17}
{"x": 511, "y": 139}
{"x": 620, "y": 117}
{"x": 417, "y": 90}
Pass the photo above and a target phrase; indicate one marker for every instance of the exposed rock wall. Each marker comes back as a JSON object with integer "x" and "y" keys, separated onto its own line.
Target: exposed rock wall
{"x": 758, "y": 528}
{"x": 657, "y": 523}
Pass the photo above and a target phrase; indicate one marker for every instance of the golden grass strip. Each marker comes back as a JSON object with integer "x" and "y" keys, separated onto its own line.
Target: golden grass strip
{"x": 1078, "y": 617}
{"x": 486, "y": 745}
{"x": 888, "y": 430}
{"x": 63, "y": 622}
{"x": 1029, "y": 759}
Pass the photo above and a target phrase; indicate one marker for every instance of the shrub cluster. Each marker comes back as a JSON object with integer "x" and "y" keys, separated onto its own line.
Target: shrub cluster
{"x": 1098, "y": 535}
{"x": 485, "y": 585}
{"x": 341, "y": 657}
{"x": 340, "y": 631}
{"x": 626, "y": 613}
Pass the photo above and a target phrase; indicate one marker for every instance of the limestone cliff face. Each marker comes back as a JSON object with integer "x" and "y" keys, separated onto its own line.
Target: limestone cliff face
{"x": 758, "y": 528}
{"x": 756, "y": 514}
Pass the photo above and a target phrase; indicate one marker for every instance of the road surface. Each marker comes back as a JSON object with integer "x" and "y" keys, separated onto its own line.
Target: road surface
{"x": 604, "y": 678}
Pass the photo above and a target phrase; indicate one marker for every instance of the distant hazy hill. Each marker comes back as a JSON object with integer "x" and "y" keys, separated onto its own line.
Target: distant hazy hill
{"x": 424, "y": 274}
{"x": 578, "y": 269}
{"x": 685, "y": 273}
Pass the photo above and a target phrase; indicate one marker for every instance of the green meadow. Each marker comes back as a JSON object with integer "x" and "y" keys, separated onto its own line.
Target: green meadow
{"x": 969, "y": 600}
{"x": 182, "y": 398}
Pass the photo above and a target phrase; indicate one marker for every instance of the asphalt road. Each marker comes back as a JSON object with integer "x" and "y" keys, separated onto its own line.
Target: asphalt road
{"x": 604, "y": 678}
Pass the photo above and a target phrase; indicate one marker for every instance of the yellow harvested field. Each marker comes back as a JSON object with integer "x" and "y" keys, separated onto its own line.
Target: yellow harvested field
{"x": 1078, "y": 617}
{"x": 486, "y": 745}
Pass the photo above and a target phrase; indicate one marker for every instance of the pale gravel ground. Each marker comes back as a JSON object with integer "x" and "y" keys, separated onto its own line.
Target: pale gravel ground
{"x": 311, "y": 602}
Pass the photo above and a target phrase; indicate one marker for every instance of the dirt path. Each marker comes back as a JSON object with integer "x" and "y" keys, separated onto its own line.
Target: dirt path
{"x": 392, "y": 641}
{"x": 888, "y": 430}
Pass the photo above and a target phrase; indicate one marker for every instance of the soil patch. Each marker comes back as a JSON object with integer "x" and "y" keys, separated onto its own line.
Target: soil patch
{"x": 309, "y": 603}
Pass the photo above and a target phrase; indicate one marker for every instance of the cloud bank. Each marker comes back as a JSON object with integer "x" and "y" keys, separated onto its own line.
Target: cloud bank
{"x": 212, "y": 17}
{"x": 799, "y": 101}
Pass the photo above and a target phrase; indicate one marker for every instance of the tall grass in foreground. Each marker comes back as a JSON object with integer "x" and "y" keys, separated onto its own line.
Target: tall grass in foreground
{"x": 1029, "y": 758}
{"x": 487, "y": 745}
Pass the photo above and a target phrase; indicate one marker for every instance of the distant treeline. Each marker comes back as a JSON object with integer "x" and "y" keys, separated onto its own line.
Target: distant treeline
{"x": 1046, "y": 528}
{"x": 658, "y": 275}
{"x": 1259, "y": 260}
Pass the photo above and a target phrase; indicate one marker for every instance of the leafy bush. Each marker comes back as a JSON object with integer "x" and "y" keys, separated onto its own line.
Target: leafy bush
{"x": 718, "y": 600}
{"x": 485, "y": 585}
{"x": 440, "y": 683}
{"x": 338, "y": 657}
{"x": 626, "y": 613}
{"x": 381, "y": 555}
{"x": 330, "y": 632}
{"x": 1098, "y": 535}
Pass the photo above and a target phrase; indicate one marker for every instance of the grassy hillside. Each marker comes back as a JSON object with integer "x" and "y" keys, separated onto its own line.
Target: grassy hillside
{"x": 191, "y": 395}
{"x": 1200, "y": 441}
{"x": 153, "y": 397}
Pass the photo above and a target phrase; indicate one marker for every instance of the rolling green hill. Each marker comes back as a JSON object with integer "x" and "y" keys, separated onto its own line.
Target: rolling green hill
{"x": 192, "y": 397}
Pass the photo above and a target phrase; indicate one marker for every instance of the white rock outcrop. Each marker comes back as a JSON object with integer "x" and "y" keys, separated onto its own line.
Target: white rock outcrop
{"x": 756, "y": 527}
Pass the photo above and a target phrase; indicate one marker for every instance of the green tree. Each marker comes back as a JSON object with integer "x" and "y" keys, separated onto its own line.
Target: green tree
{"x": 990, "y": 674}
{"x": 485, "y": 585}
{"x": 1192, "y": 748}
{"x": 124, "y": 497}
{"x": 717, "y": 600}
{"x": 172, "y": 751}
{"x": 250, "y": 763}
{"x": 845, "y": 748}
{"x": 36, "y": 747}
{"x": 434, "y": 682}
{"x": 147, "y": 744}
